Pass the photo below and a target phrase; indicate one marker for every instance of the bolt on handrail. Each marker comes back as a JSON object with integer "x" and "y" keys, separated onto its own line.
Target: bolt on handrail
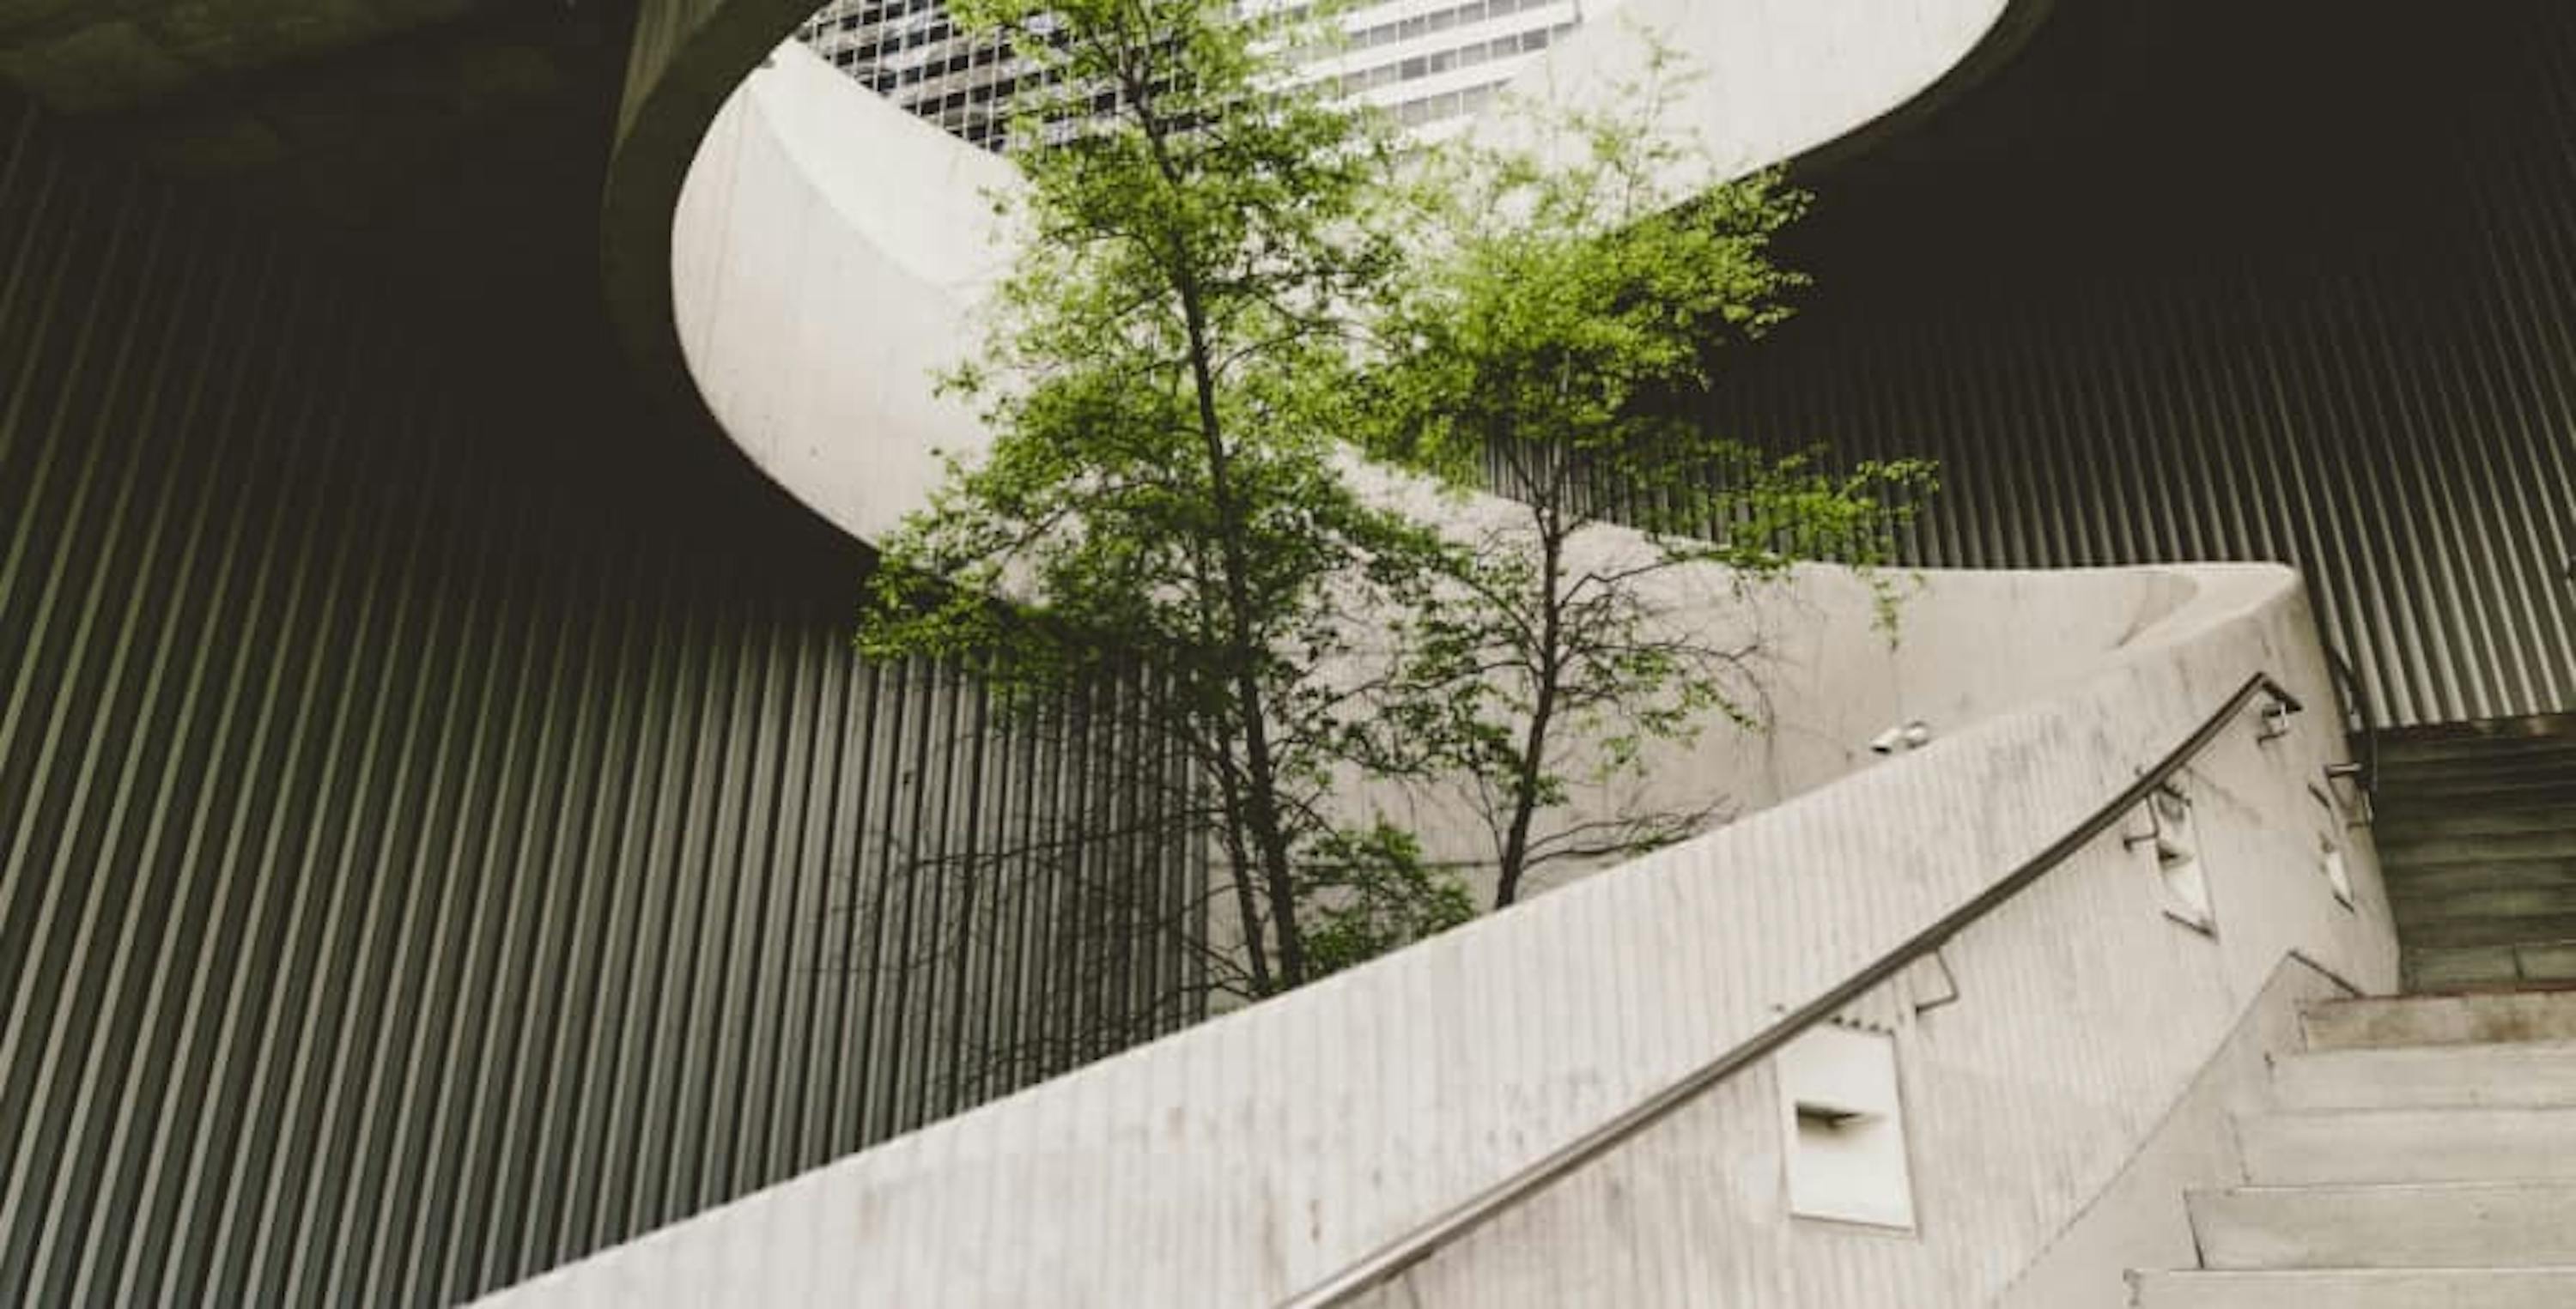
{"x": 1392, "y": 1259}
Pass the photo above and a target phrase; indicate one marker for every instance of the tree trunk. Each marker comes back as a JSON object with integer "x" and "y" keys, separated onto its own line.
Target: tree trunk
{"x": 1533, "y": 756}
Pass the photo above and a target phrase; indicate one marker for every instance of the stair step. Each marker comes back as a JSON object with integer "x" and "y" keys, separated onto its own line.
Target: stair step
{"x": 2471, "y": 750}
{"x": 2533, "y": 729}
{"x": 2401, "y": 804}
{"x": 2505, "y": 738}
{"x": 2488, "y": 848}
{"x": 2404, "y": 798}
{"x": 2552, "y": 962}
{"x": 2413, "y": 905}
{"x": 2429, "y": 795}
{"x": 2380, "y": 1022}
{"x": 2501, "y": 875}
{"x": 2359, "y": 1288}
{"x": 2513, "y": 929}
{"x": 2537, "y": 772}
{"x": 2408, "y": 1145}
{"x": 2554, "y": 757}
{"x": 2550, "y": 758}
{"x": 2474, "y": 751}
{"x": 2486, "y": 818}
{"x": 2412, "y": 1225}
{"x": 2430, "y": 746}
{"x": 2433, "y": 970}
{"x": 2420, "y": 790}
{"x": 2522, "y": 1073}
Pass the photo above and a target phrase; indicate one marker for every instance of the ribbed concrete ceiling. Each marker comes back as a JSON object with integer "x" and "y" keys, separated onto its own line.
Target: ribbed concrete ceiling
{"x": 89, "y": 56}
{"x": 457, "y": 144}
{"x": 357, "y": 113}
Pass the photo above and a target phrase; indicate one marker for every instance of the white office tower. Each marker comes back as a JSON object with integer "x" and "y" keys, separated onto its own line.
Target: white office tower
{"x": 909, "y": 52}
{"x": 1432, "y": 63}
{"x": 1429, "y": 62}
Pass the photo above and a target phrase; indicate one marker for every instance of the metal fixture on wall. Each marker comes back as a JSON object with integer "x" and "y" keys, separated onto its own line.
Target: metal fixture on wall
{"x": 1901, "y": 738}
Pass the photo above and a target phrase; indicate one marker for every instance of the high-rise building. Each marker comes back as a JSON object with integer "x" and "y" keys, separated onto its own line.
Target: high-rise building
{"x": 1429, "y": 62}
{"x": 1432, "y": 63}
{"x": 910, "y": 52}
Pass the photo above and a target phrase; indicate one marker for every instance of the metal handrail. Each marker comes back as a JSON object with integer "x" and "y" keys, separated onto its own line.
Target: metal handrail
{"x": 1392, "y": 1259}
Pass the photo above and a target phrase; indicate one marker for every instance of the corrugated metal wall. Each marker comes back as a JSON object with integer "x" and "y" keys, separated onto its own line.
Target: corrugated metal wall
{"x": 2293, "y": 282}
{"x": 416, "y": 868}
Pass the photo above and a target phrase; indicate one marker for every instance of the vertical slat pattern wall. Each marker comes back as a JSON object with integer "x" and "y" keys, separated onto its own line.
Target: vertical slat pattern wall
{"x": 418, "y": 867}
{"x": 2297, "y": 284}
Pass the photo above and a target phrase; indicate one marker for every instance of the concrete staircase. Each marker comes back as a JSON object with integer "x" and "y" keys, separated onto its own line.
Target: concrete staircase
{"x": 2421, "y": 1155}
{"x": 2421, "y": 1151}
{"x": 2477, "y": 837}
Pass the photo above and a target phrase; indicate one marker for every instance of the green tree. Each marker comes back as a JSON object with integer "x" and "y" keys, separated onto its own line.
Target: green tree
{"x": 1575, "y": 295}
{"x": 1168, "y": 378}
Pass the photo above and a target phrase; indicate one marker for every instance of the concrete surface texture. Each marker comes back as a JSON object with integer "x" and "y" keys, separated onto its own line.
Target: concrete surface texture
{"x": 1244, "y": 1159}
{"x": 2138, "y": 1220}
{"x": 2384, "y": 1023}
{"x": 1780, "y": 79}
{"x": 827, "y": 248}
{"x": 1825, "y": 678}
{"x": 2363, "y": 1188}
{"x": 826, "y": 253}
{"x": 2529, "y": 1073}
{"x": 2378, "y": 1288}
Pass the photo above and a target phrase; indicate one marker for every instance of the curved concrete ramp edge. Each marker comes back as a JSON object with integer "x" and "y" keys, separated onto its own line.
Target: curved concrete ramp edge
{"x": 772, "y": 231}
{"x": 1246, "y": 1158}
{"x": 827, "y": 252}
{"x": 810, "y": 278}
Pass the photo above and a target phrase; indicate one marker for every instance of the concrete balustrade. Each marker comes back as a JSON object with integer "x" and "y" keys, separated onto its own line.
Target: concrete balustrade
{"x": 815, "y": 278}
{"x": 1243, "y": 1159}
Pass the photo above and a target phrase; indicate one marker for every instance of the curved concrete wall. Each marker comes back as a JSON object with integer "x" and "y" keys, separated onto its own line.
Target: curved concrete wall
{"x": 1786, "y": 79}
{"x": 825, "y": 256}
{"x": 1824, "y": 677}
{"x": 1244, "y": 1159}
{"x": 826, "y": 248}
